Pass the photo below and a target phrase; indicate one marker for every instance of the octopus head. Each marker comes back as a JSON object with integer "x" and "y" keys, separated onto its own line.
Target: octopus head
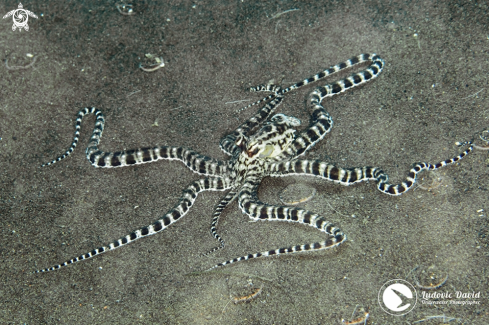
{"x": 273, "y": 138}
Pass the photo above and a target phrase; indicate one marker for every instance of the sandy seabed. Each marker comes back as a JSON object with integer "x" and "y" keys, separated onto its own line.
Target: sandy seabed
{"x": 433, "y": 92}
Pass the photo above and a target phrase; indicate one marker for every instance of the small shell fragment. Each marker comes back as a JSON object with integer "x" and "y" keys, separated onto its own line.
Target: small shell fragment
{"x": 159, "y": 63}
{"x": 297, "y": 193}
{"x": 125, "y": 9}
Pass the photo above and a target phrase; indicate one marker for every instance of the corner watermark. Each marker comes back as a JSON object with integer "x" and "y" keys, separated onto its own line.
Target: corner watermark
{"x": 450, "y": 298}
{"x": 20, "y": 16}
{"x": 398, "y": 297}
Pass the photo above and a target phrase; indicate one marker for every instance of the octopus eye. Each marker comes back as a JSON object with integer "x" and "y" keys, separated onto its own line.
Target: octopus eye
{"x": 277, "y": 118}
{"x": 253, "y": 152}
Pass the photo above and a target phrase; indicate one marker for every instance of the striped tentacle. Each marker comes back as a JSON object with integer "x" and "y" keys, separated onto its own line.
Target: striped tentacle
{"x": 96, "y": 135}
{"x": 321, "y": 121}
{"x": 228, "y": 143}
{"x": 321, "y": 124}
{"x": 356, "y": 175}
{"x": 217, "y": 213}
{"x": 256, "y": 210}
{"x": 323, "y": 170}
{"x": 354, "y": 80}
{"x": 371, "y": 72}
{"x": 269, "y": 88}
{"x": 197, "y": 163}
{"x": 188, "y": 198}
{"x": 406, "y": 185}
{"x": 375, "y": 59}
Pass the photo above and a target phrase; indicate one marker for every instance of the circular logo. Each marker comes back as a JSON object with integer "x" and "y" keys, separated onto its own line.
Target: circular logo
{"x": 20, "y": 18}
{"x": 397, "y": 297}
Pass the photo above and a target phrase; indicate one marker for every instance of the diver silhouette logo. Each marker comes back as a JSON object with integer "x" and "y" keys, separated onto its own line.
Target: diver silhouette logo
{"x": 397, "y": 297}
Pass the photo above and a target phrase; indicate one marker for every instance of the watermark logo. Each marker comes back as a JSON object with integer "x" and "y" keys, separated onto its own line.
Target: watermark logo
{"x": 397, "y": 297}
{"x": 451, "y": 298}
{"x": 20, "y": 17}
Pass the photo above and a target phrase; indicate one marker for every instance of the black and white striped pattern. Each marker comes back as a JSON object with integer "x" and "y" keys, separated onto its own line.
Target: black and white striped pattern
{"x": 96, "y": 134}
{"x": 196, "y": 162}
{"x": 404, "y": 186}
{"x": 259, "y": 211}
{"x": 217, "y": 213}
{"x": 354, "y": 80}
{"x": 188, "y": 198}
{"x": 323, "y": 170}
{"x": 228, "y": 143}
{"x": 262, "y": 146}
{"x": 355, "y": 175}
{"x": 357, "y": 79}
